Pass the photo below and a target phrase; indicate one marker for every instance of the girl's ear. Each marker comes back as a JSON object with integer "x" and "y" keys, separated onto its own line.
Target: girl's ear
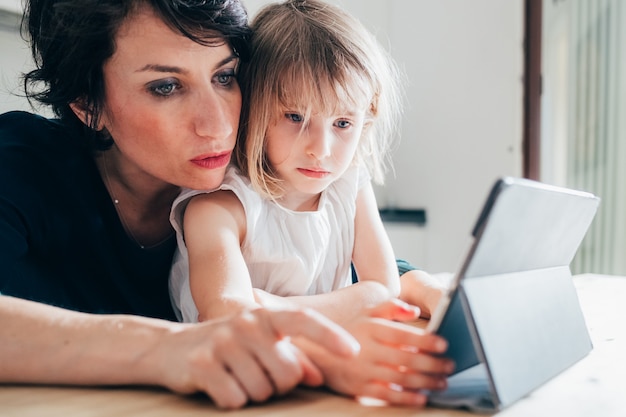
{"x": 84, "y": 113}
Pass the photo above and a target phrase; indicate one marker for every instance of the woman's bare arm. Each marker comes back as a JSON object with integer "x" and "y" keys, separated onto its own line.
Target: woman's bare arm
{"x": 44, "y": 344}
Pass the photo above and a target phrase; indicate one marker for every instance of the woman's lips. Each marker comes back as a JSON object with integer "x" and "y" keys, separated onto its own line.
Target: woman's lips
{"x": 212, "y": 161}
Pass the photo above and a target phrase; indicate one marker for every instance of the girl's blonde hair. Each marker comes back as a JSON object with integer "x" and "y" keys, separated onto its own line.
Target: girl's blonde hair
{"x": 309, "y": 55}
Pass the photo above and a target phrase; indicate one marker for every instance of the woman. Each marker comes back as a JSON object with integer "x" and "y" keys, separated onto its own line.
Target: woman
{"x": 147, "y": 102}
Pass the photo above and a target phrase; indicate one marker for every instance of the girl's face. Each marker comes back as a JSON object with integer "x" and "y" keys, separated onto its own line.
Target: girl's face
{"x": 171, "y": 105}
{"x": 309, "y": 155}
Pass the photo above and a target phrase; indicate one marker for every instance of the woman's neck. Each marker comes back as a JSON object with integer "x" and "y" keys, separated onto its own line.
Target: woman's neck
{"x": 142, "y": 201}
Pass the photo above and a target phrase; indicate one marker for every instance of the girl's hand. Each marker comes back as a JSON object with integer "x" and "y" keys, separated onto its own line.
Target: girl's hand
{"x": 269, "y": 300}
{"x": 423, "y": 290}
{"x": 396, "y": 360}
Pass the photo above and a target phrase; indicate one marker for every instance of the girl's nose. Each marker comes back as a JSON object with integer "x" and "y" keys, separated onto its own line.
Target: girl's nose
{"x": 319, "y": 142}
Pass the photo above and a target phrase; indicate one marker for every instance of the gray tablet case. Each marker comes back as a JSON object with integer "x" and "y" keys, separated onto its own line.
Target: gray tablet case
{"x": 512, "y": 317}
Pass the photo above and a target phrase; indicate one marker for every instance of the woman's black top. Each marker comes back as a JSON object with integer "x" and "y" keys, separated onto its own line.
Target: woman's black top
{"x": 61, "y": 240}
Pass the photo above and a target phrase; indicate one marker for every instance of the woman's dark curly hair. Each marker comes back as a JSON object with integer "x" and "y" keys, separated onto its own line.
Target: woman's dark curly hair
{"x": 72, "y": 39}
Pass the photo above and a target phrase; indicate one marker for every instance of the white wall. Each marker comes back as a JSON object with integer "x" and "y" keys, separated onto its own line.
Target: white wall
{"x": 11, "y": 5}
{"x": 15, "y": 59}
{"x": 462, "y": 126}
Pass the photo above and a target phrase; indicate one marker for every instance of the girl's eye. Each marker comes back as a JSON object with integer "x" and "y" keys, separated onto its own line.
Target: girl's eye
{"x": 294, "y": 117}
{"x": 164, "y": 88}
{"x": 343, "y": 124}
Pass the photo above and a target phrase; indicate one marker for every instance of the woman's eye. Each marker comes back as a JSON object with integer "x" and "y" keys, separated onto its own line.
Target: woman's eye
{"x": 294, "y": 117}
{"x": 164, "y": 89}
{"x": 226, "y": 78}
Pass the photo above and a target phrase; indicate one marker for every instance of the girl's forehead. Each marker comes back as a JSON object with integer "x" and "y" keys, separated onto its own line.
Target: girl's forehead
{"x": 323, "y": 95}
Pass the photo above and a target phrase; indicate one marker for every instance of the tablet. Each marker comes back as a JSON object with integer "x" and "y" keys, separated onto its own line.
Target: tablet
{"x": 512, "y": 307}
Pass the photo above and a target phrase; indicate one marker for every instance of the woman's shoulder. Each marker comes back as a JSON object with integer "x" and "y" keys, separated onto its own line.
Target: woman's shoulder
{"x": 36, "y": 152}
{"x": 19, "y": 119}
{"x": 24, "y": 127}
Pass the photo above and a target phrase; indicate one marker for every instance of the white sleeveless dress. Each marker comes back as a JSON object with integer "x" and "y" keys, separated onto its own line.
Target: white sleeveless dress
{"x": 287, "y": 252}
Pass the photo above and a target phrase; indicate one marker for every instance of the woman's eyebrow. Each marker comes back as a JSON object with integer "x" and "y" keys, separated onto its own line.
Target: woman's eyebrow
{"x": 179, "y": 70}
{"x": 161, "y": 68}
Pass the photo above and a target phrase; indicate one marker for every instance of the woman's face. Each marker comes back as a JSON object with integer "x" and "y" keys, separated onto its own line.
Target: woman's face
{"x": 171, "y": 105}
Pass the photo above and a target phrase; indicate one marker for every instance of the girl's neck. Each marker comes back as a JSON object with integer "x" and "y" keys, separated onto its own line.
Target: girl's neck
{"x": 300, "y": 202}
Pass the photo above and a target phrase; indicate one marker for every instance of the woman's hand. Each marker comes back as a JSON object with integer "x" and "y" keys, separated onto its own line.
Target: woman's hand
{"x": 244, "y": 357}
{"x": 249, "y": 356}
{"x": 396, "y": 360}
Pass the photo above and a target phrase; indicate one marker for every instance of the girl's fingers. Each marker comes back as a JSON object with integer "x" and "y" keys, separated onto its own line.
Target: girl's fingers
{"x": 412, "y": 361}
{"x": 395, "y": 310}
{"x": 401, "y": 334}
{"x": 393, "y": 395}
{"x": 410, "y": 380}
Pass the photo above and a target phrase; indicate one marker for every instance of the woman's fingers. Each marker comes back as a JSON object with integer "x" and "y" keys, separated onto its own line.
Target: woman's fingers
{"x": 280, "y": 364}
{"x": 282, "y": 361}
{"x": 249, "y": 357}
{"x": 312, "y": 375}
{"x": 223, "y": 388}
{"x": 249, "y": 374}
{"x": 315, "y": 327}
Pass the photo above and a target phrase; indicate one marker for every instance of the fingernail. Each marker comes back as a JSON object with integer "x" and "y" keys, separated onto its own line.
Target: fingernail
{"x": 420, "y": 399}
{"x": 441, "y": 345}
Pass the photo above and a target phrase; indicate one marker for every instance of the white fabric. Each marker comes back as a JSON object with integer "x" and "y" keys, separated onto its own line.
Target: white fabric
{"x": 287, "y": 252}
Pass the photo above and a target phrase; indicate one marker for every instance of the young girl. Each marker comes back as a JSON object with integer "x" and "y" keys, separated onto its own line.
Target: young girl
{"x": 321, "y": 104}
{"x": 297, "y": 209}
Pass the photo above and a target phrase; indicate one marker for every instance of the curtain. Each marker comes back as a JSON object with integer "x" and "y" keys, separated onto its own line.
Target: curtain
{"x": 583, "y": 121}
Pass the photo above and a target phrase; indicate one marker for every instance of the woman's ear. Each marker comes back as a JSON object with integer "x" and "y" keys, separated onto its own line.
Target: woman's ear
{"x": 85, "y": 114}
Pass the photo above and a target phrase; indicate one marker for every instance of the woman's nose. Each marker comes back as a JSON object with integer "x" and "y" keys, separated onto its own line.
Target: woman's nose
{"x": 216, "y": 116}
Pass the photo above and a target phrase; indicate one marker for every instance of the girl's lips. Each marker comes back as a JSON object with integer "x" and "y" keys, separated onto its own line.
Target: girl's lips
{"x": 212, "y": 161}
{"x": 314, "y": 173}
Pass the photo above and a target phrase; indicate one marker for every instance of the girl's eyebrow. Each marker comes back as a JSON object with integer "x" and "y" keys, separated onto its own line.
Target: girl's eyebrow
{"x": 179, "y": 70}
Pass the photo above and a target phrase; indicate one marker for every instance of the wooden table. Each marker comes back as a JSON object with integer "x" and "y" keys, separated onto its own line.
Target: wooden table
{"x": 595, "y": 386}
